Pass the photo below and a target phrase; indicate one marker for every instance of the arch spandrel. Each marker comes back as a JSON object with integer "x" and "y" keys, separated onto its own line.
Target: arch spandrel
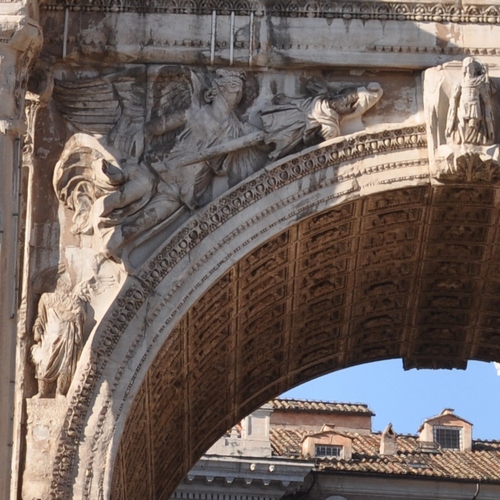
{"x": 375, "y": 245}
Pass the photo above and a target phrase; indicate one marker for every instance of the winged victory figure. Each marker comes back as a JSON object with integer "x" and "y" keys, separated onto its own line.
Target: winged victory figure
{"x": 150, "y": 144}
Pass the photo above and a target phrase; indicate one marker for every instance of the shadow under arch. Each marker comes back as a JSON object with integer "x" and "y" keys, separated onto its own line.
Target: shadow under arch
{"x": 344, "y": 254}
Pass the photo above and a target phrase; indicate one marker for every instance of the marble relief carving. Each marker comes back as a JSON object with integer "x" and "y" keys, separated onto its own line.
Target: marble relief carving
{"x": 300, "y": 121}
{"x": 59, "y": 333}
{"x": 461, "y": 106}
{"x": 470, "y": 115}
{"x": 220, "y": 140}
{"x": 148, "y": 148}
{"x": 112, "y": 197}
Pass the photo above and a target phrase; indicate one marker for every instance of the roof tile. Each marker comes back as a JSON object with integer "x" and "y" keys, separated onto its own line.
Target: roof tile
{"x": 482, "y": 462}
{"x": 319, "y": 406}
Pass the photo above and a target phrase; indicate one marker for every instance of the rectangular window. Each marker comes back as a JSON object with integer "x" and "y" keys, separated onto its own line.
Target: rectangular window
{"x": 328, "y": 451}
{"x": 448, "y": 437}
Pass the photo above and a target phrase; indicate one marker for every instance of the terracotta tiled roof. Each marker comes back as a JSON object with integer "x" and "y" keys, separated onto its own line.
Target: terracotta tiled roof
{"x": 481, "y": 463}
{"x": 286, "y": 442}
{"x": 319, "y": 406}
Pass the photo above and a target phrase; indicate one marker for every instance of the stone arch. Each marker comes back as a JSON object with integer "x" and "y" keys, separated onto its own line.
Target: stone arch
{"x": 241, "y": 299}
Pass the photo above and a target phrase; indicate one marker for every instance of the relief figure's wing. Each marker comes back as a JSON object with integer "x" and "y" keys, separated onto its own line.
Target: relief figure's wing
{"x": 128, "y": 134}
{"x": 175, "y": 89}
{"x": 112, "y": 106}
{"x": 88, "y": 106}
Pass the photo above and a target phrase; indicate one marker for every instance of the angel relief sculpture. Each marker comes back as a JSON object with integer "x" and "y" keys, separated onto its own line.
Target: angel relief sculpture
{"x": 124, "y": 174}
{"x": 119, "y": 192}
{"x": 213, "y": 130}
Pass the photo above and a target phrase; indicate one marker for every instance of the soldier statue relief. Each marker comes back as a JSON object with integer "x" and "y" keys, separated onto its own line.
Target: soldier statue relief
{"x": 470, "y": 115}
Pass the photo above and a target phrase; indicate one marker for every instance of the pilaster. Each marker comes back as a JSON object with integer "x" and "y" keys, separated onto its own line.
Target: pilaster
{"x": 20, "y": 40}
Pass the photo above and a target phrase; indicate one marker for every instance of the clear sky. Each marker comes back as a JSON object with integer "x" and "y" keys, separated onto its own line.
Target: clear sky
{"x": 405, "y": 399}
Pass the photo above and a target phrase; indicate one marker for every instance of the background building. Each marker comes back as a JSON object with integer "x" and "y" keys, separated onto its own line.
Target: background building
{"x": 328, "y": 450}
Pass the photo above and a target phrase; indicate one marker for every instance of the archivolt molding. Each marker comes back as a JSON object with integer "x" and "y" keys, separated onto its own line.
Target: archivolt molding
{"x": 356, "y": 165}
{"x": 382, "y": 11}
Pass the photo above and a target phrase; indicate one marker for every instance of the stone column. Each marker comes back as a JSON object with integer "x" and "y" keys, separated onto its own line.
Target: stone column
{"x": 20, "y": 39}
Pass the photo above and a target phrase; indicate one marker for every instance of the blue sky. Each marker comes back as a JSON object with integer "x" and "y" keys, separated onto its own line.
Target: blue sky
{"x": 405, "y": 399}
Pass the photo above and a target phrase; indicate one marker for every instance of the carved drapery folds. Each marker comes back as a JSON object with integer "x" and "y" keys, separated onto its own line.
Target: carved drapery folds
{"x": 111, "y": 195}
{"x": 461, "y": 108}
{"x": 301, "y": 121}
{"x": 59, "y": 333}
{"x": 151, "y": 146}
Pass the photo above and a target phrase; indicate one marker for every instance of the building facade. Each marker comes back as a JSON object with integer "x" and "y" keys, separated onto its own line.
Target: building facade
{"x": 341, "y": 458}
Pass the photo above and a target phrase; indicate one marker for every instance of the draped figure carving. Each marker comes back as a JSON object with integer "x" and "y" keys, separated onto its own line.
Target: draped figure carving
{"x": 58, "y": 333}
{"x": 206, "y": 126}
{"x": 301, "y": 121}
{"x": 127, "y": 172}
{"x": 470, "y": 115}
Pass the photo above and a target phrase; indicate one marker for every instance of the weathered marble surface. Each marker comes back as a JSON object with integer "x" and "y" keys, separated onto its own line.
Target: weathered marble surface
{"x": 134, "y": 165}
{"x": 363, "y": 34}
{"x": 461, "y": 110}
{"x": 20, "y": 41}
{"x": 227, "y": 181}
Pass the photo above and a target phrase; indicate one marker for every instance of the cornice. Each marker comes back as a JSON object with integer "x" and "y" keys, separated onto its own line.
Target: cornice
{"x": 353, "y": 9}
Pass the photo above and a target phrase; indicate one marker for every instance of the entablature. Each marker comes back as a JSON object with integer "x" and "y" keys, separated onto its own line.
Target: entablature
{"x": 253, "y": 34}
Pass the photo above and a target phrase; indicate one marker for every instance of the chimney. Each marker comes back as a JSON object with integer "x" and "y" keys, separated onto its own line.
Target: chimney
{"x": 255, "y": 433}
{"x": 388, "y": 444}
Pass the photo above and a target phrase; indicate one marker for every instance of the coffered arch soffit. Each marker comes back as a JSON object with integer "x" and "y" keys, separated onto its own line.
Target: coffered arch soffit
{"x": 344, "y": 254}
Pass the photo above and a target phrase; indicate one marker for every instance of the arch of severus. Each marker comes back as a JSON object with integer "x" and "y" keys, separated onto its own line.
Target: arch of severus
{"x": 206, "y": 202}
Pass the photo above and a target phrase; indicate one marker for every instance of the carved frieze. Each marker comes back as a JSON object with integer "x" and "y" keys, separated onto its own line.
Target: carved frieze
{"x": 356, "y": 9}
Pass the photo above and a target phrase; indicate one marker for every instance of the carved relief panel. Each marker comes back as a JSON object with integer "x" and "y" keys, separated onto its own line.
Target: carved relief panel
{"x": 461, "y": 106}
{"x": 146, "y": 147}
{"x": 138, "y": 150}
